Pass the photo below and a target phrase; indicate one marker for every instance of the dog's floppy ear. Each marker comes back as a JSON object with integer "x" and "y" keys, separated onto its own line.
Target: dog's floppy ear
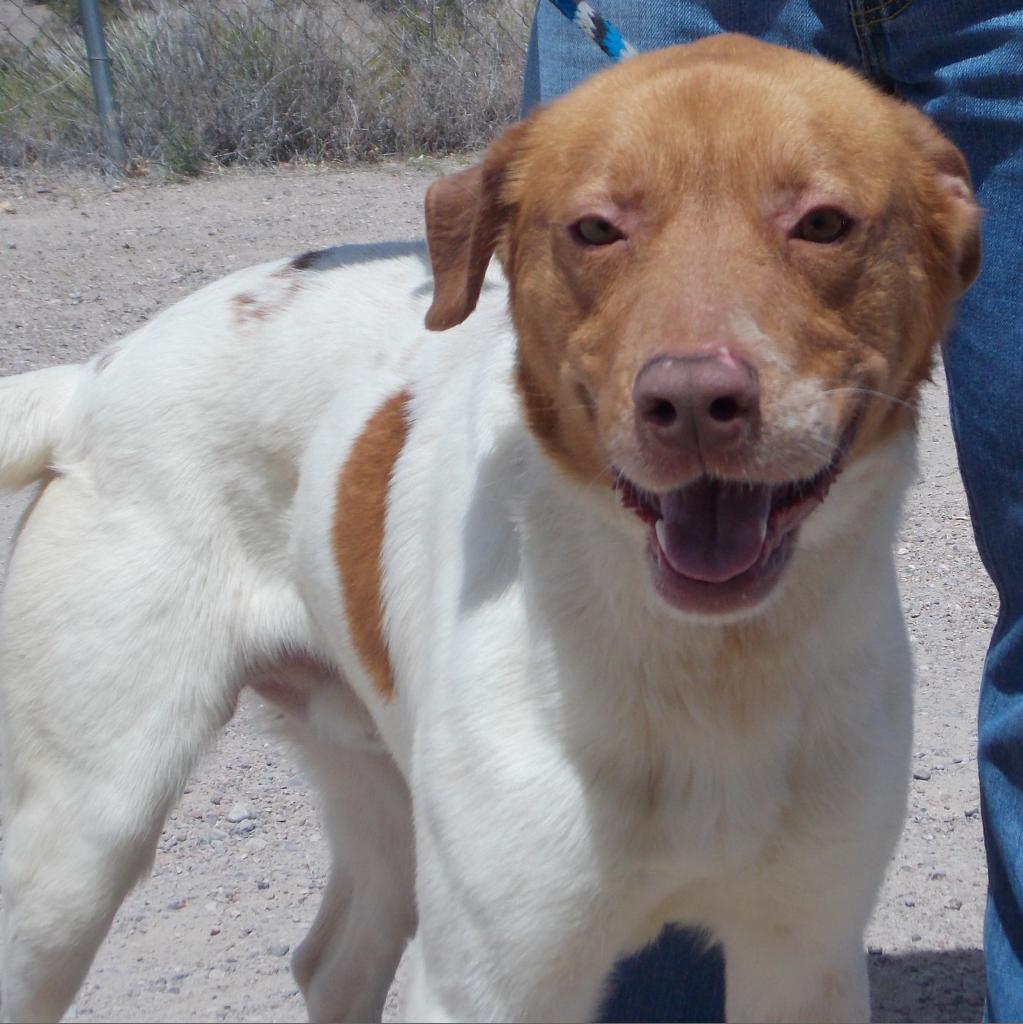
{"x": 955, "y": 216}
{"x": 465, "y": 213}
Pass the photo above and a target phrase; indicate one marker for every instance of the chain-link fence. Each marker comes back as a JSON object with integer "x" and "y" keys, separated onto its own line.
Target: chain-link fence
{"x": 261, "y": 81}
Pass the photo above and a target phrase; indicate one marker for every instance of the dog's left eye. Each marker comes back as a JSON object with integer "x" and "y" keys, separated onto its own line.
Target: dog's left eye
{"x": 596, "y": 231}
{"x": 823, "y": 226}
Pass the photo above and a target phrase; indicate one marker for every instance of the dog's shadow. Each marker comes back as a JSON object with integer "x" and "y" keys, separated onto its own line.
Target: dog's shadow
{"x": 932, "y": 985}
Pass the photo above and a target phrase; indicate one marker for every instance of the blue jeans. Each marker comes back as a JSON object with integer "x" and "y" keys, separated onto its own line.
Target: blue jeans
{"x": 961, "y": 61}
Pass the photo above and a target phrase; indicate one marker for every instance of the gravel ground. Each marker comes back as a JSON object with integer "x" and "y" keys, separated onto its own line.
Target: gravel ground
{"x": 241, "y": 864}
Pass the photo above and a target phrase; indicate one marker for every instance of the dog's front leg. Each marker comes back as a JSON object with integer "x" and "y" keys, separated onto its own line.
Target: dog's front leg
{"x": 519, "y": 919}
{"x": 793, "y": 957}
{"x": 771, "y": 979}
{"x": 508, "y": 970}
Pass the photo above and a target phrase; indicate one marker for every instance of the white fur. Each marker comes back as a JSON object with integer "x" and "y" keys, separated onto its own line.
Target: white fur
{"x": 32, "y": 411}
{"x": 581, "y": 764}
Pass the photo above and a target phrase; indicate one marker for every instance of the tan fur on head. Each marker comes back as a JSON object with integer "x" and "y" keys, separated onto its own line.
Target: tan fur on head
{"x": 465, "y": 214}
{"x": 954, "y": 218}
{"x": 703, "y": 153}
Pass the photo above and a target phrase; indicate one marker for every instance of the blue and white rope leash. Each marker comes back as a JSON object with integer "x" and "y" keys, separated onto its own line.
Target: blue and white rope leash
{"x": 602, "y": 32}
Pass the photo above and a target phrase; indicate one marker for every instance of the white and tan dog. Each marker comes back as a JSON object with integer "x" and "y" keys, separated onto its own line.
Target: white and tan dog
{"x": 577, "y": 626}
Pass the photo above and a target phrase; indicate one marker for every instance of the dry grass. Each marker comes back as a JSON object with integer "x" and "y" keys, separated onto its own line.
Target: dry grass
{"x": 266, "y": 81}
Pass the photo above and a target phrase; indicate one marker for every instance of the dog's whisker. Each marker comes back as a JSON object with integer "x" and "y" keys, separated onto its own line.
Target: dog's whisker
{"x": 872, "y": 393}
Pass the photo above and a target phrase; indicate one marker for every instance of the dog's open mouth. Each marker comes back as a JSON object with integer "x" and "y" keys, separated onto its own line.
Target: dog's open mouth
{"x": 719, "y": 545}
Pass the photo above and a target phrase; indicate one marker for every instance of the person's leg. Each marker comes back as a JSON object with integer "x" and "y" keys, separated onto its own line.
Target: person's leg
{"x": 560, "y": 56}
{"x": 963, "y": 64}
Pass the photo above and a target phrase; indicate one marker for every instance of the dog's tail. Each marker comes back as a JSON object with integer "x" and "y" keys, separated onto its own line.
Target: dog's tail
{"x": 33, "y": 408}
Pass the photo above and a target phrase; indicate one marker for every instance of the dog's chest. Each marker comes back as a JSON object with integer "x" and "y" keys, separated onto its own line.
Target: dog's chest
{"x": 676, "y": 790}
{"x": 683, "y": 736}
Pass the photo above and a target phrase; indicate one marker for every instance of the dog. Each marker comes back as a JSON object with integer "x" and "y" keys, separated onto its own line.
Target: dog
{"x": 581, "y": 610}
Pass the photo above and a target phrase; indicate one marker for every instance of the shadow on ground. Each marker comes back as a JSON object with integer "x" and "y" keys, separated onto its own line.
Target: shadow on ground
{"x": 932, "y": 985}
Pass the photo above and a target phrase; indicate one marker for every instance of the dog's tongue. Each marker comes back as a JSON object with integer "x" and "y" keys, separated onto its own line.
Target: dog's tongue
{"x": 714, "y": 530}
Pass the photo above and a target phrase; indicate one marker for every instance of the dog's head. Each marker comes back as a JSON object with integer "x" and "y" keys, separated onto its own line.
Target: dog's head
{"x": 729, "y": 265}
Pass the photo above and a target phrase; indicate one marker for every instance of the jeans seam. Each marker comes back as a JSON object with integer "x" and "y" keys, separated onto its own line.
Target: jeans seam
{"x": 892, "y": 15}
{"x": 873, "y": 65}
{"x": 862, "y": 15}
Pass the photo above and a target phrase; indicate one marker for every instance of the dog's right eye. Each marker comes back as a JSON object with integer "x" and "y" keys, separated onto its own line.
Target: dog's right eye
{"x": 596, "y": 231}
{"x": 823, "y": 226}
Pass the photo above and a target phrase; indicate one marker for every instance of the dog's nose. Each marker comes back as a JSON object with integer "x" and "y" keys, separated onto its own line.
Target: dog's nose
{"x": 701, "y": 403}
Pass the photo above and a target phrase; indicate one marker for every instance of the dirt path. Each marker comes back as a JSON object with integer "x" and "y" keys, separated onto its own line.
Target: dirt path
{"x": 207, "y": 937}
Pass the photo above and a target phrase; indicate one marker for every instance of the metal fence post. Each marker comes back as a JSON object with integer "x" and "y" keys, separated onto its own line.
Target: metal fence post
{"x": 102, "y": 89}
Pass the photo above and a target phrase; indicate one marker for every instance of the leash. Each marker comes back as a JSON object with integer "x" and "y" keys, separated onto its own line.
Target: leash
{"x": 602, "y": 32}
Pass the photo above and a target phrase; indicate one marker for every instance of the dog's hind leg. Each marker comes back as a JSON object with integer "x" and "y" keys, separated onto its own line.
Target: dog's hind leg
{"x": 347, "y": 962}
{"x": 115, "y": 673}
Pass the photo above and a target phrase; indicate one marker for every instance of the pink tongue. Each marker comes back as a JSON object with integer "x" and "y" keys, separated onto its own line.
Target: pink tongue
{"x": 714, "y": 530}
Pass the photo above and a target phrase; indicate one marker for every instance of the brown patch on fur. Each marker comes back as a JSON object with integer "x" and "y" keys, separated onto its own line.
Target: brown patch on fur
{"x": 541, "y": 412}
{"x": 247, "y": 308}
{"x": 358, "y": 533}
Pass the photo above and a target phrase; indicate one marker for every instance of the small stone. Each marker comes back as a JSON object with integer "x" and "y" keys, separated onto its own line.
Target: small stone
{"x": 177, "y": 904}
{"x": 240, "y": 812}
{"x": 262, "y": 883}
{"x": 923, "y": 774}
{"x": 972, "y": 812}
{"x": 215, "y": 798}
{"x": 117, "y": 187}
{"x": 936, "y": 876}
{"x": 279, "y": 949}
{"x": 954, "y": 904}
{"x": 245, "y": 827}
{"x": 915, "y": 937}
{"x": 214, "y": 931}
{"x": 909, "y": 902}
